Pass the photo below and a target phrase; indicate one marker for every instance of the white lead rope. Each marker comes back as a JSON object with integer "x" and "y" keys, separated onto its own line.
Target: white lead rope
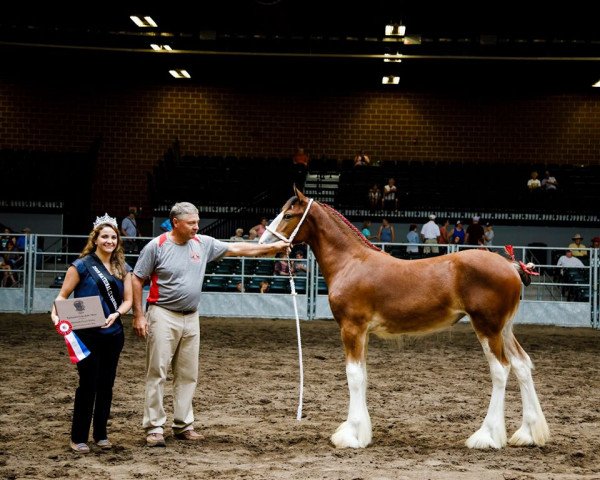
{"x": 272, "y": 229}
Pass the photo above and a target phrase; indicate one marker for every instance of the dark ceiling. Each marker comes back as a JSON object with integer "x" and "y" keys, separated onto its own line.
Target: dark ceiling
{"x": 481, "y": 44}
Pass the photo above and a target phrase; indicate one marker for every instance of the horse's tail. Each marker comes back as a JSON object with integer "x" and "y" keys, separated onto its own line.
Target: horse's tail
{"x": 525, "y": 271}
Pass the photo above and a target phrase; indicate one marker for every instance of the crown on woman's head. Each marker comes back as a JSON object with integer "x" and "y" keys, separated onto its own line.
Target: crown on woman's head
{"x": 106, "y": 219}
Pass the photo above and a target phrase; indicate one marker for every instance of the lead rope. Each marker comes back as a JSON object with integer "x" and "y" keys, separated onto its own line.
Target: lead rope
{"x": 271, "y": 229}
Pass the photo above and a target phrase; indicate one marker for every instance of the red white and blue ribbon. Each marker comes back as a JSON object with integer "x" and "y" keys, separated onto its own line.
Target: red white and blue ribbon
{"x": 77, "y": 350}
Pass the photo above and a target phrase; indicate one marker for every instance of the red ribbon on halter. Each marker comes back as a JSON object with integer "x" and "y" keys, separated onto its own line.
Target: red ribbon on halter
{"x": 509, "y": 249}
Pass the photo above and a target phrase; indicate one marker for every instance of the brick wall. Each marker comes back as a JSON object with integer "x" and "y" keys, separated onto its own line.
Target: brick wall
{"x": 138, "y": 123}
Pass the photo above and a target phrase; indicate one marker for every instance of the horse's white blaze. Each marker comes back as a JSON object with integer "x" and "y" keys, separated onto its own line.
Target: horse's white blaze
{"x": 267, "y": 236}
{"x": 534, "y": 429}
{"x": 492, "y": 433}
{"x": 356, "y": 431}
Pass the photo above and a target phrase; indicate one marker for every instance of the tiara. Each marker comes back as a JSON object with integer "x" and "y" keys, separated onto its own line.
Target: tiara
{"x": 106, "y": 219}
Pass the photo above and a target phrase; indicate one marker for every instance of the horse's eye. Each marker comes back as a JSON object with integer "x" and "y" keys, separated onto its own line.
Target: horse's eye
{"x": 287, "y": 216}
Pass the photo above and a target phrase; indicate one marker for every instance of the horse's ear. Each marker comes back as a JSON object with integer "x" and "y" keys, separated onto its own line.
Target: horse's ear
{"x": 299, "y": 194}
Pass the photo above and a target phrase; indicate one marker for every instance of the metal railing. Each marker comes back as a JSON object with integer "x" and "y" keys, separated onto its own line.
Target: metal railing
{"x": 34, "y": 269}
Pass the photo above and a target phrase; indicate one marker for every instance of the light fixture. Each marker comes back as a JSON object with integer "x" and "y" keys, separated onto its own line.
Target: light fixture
{"x": 390, "y": 80}
{"x": 395, "y": 29}
{"x": 143, "y": 22}
{"x": 597, "y": 84}
{"x": 389, "y": 57}
{"x": 158, "y": 48}
{"x": 179, "y": 73}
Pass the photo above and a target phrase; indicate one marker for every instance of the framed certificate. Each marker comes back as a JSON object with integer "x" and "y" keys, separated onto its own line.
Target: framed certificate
{"x": 82, "y": 312}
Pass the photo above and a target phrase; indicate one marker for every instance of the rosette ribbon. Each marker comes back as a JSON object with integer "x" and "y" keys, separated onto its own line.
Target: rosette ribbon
{"x": 77, "y": 350}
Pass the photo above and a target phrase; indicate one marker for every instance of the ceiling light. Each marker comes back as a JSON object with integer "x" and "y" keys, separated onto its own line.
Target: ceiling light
{"x": 597, "y": 84}
{"x": 157, "y": 47}
{"x": 143, "y": 22}
{"x": 179, "y": 73}
{"x": 392, "y": 57}
{"x": 390, "y": 80}
{"x": 395, "y": 29}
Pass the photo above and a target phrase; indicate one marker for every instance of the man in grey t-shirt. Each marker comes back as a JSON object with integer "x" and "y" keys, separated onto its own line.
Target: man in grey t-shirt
{"x": 175, "y": 263}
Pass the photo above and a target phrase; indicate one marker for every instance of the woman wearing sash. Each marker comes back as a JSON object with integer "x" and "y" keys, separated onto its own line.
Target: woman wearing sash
{"x": 100, "y": 270}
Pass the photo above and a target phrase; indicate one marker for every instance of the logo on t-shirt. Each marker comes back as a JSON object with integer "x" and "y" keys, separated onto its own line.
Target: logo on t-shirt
{"x": 195, "y": 257}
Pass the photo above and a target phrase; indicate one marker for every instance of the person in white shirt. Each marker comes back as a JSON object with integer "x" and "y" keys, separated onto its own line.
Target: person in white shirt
{"x": 569, "y": 261}
{"x": 430, "y": 234}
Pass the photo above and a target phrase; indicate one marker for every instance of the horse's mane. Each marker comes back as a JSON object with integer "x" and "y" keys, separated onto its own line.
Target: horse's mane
{"x": 352, "y": 227}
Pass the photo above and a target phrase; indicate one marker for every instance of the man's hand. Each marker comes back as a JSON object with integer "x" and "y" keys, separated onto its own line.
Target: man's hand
{"x": 140, "y": 326}
{"x": 282, "y": 247}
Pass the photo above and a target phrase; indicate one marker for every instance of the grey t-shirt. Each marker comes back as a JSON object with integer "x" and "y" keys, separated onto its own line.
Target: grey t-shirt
{"x": 176, "y": 271}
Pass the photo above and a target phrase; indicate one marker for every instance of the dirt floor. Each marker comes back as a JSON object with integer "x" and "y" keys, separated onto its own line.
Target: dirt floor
{"x": 426, "y": 397}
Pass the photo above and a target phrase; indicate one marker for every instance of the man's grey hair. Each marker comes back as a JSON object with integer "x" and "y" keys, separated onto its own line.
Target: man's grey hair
{"x": 182, "y": 208}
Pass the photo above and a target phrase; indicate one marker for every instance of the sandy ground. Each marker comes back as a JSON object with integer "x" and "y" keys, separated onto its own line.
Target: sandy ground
{"x": 426, "y": 397}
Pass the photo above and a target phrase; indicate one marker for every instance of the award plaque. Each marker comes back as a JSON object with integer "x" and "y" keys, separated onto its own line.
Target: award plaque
{"x": 82, "y": 312}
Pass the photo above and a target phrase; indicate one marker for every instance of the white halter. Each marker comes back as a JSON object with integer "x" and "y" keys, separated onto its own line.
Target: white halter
{"x": 271, "y": 228}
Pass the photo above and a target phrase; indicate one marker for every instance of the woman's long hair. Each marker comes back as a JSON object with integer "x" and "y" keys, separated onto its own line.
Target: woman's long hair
{"x": 117, "y": 257}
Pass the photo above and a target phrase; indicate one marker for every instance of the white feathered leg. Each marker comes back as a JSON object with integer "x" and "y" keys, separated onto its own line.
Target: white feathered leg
{"x": 534, "y": 429}
{"x": 356, "y": 431}
{"x": 492, "y": 433}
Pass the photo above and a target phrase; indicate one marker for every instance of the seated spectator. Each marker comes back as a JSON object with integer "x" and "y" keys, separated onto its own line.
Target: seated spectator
{"x": 568, "y": 260}
{"x": 259, "y": 229}
{"x": 239, "y": 235}
{"x": 412, "y": 237}
{"x": 299, "y": 266}
{"x": 374, "y": 197}
{"x": 386, "y": 232}
{"x": 361, "y": 159}
{"x": 390, "y": 199}
{"x": 282, "y": 266}
{"x": 457, "y": 234}
{"x": 549, "y": 183}
{"x": 577, "y": 246}
{"x": 300, "y": 162}
{"x": 534, "y": 184}
{"x": 595, "y": 242}
{"x": 264, "y": 286}
{"x": 8, "y": 279}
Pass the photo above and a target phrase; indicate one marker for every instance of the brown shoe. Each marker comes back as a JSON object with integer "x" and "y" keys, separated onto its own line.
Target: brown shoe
{"x": 155, "y": 440}
{"x": 189, "y": 435}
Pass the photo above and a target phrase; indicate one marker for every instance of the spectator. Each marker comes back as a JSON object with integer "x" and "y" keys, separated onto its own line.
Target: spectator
{"x": 366, "y": 230}
{"x": 457, "y": 234}
{"x": 239, "y": 235}
{"x": 577, "y": 247}
{"x": 488, "y": 235}
{"x": 413, "y": 239}
{"x": 299, "y": 266}
{"x": 534, "y": 184}
{"x": 258, "y": 230}
{"x": 549, "y": 183}
{"x": 444, "y": 236}
{"x": 430, "y": 233}
{"x": 264, "y": 286}
{"x": 300, "y": 163}
{"x": 374, "y": 197}
{"x": 474, "y": 233}
{"x": 390, "y": 200}
{"x": 129, "y": 230}
{"x": 282, "y": 266}
{"x": 595, "y": 242}
{"x": 8, "y": 278}
{"x": 568, "y": 260}
{"x": 361, "y": 159}
{"x": 386, "y": 233}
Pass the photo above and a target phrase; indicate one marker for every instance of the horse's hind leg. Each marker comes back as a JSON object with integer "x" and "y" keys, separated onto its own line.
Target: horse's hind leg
{"x": 534, "y": 429}
{"x": 492, "y": 433}
{"x": 356, "y": 431}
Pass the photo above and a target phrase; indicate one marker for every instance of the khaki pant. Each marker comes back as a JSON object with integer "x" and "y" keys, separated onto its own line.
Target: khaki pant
{"x": 431, "y": 249}
{"x": 174, "y": 339}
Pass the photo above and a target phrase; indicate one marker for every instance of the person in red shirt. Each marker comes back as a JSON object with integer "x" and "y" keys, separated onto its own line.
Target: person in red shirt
{"x": 300, "y": 162}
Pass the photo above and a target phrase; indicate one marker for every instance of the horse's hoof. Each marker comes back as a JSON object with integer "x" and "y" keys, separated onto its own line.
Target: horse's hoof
{"x": 483, "y": 439}
{"x": 345, "y": 437}
{"x": 529, "y": 436}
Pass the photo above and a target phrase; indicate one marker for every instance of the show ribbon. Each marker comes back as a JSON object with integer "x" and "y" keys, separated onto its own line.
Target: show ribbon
{"x": 77, "y": 350}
